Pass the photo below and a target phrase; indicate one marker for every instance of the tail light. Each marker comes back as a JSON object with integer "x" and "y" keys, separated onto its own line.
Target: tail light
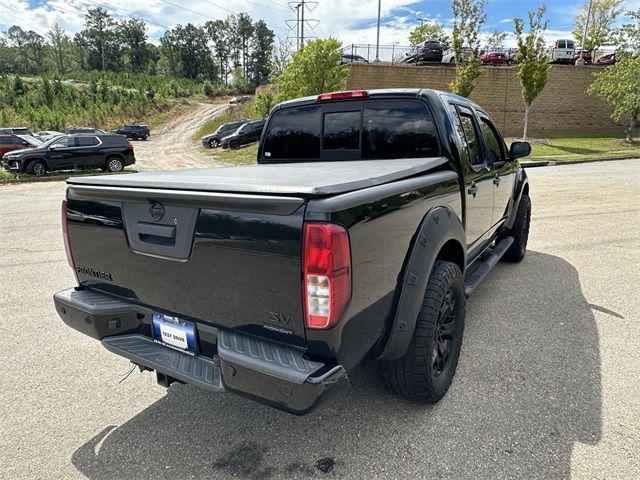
{"x": 65, "y": 235}
{"x": 327, "y": 274}
{"x": 342, "y": 95}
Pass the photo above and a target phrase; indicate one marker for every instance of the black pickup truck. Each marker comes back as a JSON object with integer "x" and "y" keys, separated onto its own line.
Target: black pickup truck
{"x": 368, "y": 221}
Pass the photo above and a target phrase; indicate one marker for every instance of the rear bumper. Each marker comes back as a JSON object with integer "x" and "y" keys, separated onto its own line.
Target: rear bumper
{"x": 263, "y": 371}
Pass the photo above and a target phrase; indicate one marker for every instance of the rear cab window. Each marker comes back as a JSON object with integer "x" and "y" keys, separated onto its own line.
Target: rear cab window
{"x": 353, "y": 130}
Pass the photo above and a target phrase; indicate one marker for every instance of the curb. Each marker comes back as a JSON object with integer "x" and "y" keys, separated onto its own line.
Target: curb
{"x": 553, "y": 163}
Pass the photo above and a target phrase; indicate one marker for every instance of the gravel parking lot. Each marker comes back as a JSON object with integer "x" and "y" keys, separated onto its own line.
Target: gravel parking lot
{"x": 548, "y": 384}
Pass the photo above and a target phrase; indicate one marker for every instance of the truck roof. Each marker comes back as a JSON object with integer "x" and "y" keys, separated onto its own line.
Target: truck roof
{"x": 382, "y": 93}
{"x": 311, "y": 179}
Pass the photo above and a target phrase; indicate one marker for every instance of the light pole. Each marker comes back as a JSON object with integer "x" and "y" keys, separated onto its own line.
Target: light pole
{"x": 580, "y": 60}
{"x": 378, "y": 34}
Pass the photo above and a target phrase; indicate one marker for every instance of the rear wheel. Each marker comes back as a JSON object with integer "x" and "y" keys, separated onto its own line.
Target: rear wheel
{"x": 114, "y": 164}
{"x": 37, "y": 168}
{"x": 425, "y": 372}
{"x": 519, "y": 231}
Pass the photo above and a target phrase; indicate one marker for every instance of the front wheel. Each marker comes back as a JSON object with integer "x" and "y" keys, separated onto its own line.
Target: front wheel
{"x": 114, "y": 165}
{"x": 213, "y": 143}
{"x": 37, "y": 168}
{"x": 426, "y": 371}
{"x": 234, "y": 145}
{"x": 520, "y": 231}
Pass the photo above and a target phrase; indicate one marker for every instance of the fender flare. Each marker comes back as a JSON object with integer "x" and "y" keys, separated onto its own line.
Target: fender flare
{"x": 521, "y": 182}
{"x": 439, "y": 226}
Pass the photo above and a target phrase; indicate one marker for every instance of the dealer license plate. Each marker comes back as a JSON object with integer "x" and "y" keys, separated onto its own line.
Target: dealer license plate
{"x": 174, "y": 333}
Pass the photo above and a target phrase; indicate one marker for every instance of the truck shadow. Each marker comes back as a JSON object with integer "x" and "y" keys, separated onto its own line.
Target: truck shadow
{"x": 527, "y": 390}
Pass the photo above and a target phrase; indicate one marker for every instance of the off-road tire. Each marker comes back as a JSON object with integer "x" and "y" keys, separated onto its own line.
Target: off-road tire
{"x": 37, "y": 168}
{"x": 415, "y": 375}
{"x": 114, "y": 164}
{"x": 519, "y": 231}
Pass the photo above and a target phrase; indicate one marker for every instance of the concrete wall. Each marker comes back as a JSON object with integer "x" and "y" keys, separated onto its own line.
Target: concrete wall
{"x": 563, "y": 106}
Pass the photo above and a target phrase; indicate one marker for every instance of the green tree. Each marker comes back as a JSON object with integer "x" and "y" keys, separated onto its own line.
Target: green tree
{"x": 99, "y": 39}
{"x": 430, "y": 32}
{"x": 313, "y": 70}
{"x": 262, "y": 48}
{"x": 468, "y": 19}
{"x": 264, "y": 102}
{"x": 627, "y": 36}
{"x": 604, "y": 14}
{"x": 619, "y": 86}
{"x": 281, "y": 55}
{"x": 133, "y": 37}
{"x": 496, "y": 40}
{"x": 60, "y": 48}
{"x": 532, "y": 63}
{"x": 218, "y": 32}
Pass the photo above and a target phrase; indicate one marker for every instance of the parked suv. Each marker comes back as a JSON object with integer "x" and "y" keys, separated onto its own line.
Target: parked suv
{"x": 109, "y": 152}
{"x": 9, "y": 143}
{"x": 96, "y": 131}
{"x": 135, "y": 132}
{"x": 425, "y": 52}
{"x": 16, "y": 131}
{"x": 213, "y": 139}
{"x": 248, "y": 133}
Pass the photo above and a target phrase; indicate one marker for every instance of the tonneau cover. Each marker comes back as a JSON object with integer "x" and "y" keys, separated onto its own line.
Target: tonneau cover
{"x": 313, "y": 178}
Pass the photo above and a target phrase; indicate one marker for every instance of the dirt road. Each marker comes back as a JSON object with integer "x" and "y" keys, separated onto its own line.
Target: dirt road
{"x": 172, "y": 146}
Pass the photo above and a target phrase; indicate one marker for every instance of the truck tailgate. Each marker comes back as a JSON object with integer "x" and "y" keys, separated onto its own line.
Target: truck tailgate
{"x": 226, "y": 259}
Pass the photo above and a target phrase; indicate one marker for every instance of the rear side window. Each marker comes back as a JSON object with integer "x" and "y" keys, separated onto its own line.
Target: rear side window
{"x": 86, "y": 141}
{"x": 341, "y": 131}
{"x": 294, "y": 134}
{"x": 398, "y": 129}
{"x": 5, "y": 141}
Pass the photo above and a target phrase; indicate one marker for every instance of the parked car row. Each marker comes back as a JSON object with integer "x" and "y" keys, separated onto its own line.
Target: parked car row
{"x": 21, "y": 154}
{"x": 234, "y": 134}
{"x": 563, "y": 51}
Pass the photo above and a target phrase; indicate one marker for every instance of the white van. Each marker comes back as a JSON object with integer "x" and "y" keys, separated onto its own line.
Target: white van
{"x": 562, "y": 51}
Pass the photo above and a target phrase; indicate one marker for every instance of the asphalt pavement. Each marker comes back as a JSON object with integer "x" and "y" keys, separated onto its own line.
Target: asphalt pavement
{"x": 548, "y": 384}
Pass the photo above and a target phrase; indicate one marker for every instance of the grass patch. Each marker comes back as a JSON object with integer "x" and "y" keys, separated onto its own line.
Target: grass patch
{"x": 8, "y": 177}
{"x": 242, "y": 156}
{"x": 234, "y": 112}
{"x": 571, "y": 148}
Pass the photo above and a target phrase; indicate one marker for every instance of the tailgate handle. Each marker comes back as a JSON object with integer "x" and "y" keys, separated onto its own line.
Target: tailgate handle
{"x": 157, "y": 234}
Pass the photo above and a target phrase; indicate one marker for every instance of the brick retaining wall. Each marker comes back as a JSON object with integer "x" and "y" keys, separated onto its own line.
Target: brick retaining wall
{"x": 563, "y": 106}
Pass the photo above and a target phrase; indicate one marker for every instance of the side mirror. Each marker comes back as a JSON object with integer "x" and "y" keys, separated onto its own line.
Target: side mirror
{"x": 519, "y": 150}
{"x": 25, "y": 143}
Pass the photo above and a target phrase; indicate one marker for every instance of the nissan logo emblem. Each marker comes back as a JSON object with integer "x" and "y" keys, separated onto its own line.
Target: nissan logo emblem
{"x": 156, "y": 210}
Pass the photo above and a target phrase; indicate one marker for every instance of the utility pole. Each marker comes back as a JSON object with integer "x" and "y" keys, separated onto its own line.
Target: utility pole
{"x": 422, "y": 20}
{"x": 302, "y": 26}
{"x": 378, "y": 34}
{"x": 580, "y": 60}
{"x": 299, "y": 7}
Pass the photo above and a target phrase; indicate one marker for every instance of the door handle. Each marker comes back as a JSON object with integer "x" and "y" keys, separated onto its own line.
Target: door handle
{"x": 496, "y": 181}
{"x": 472, "y": 190}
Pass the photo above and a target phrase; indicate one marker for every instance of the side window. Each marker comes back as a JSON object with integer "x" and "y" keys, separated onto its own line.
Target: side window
{"x": 86, "y": 141}
{"x": 341, "y": 131}
{"x": 294, "y": 134}
{"x": 5, "y": 141}
{"x": 470, "y": 137}
{"x": 398, "y": 129}
{"x": 495, "y": 147}
{"x": 63, "y": 142}
{"x": 562, "y": 44}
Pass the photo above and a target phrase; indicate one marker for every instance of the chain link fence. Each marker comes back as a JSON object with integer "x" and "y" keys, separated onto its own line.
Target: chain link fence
{"x": 386, "y": 53}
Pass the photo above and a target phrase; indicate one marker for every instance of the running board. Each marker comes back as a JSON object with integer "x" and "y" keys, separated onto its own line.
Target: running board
{"x": 486, "y": 265}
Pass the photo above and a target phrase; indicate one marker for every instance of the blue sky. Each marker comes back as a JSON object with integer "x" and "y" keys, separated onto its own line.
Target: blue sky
{"x": 351, "y": 21}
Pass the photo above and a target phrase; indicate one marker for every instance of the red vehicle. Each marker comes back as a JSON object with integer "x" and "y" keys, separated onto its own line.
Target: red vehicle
{"x": 494, "y": 58}
{"x": 10, "y": 142}
{"x": 609, "y": 59}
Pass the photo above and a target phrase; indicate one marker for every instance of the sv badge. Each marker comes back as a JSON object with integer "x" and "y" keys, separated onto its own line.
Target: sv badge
{"x": 279, "y": 318}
